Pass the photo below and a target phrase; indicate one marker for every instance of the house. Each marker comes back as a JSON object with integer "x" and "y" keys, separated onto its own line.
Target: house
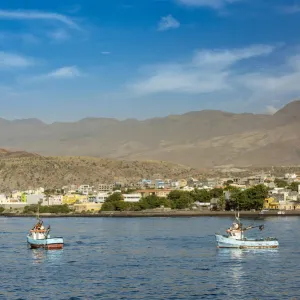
{"x": 34, "y": 198}
{"x": 155, "y": 192}
{"x": 3, "y": 199}
{"x": 105, "y": 187}
{"x": 53, "y": 200}
{"x": 84, "y": 189}
{"x": 271, "y": 203}
{"x": 89, "y": 206}
{"x": 73, "y": 198}
{"x": 182, "y": 183}
{"x": 132, "y": 197}
{"x": 192, "y": 182}
{"x": 159, "y": 184}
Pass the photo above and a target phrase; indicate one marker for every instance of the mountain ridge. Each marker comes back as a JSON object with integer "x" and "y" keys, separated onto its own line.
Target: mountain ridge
{"x": 199, "y": 139}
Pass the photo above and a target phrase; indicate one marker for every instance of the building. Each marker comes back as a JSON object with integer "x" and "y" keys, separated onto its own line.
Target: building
{"x": 182, "y": 183}
{"x": 34, "y": 198}
{"x": 271, "y": 203}
{"x": 132, "y": 197}
{"x": 84, "y": 189}
{"x": 73, "y": 198}
{"x": 159, "y": 184}
{"x": 3, "y": 199}
{"x": 154, "y": 192}
{"x": 99, "y": 198}
{"x": 90, "y": 206}
{"x": 105, "y": 187}
{"x": 53, "y": 200}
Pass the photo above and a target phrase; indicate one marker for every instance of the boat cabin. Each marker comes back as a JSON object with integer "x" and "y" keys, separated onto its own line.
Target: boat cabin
{"x": 235, "y": 231}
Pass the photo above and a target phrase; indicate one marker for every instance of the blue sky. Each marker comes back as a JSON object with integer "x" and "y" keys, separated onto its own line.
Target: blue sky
{"x": 67, "y": 60}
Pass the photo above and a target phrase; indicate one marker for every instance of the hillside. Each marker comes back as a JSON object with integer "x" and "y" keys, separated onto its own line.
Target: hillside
{"x": 199, "y": 139}
{"x": 55, "y": 172}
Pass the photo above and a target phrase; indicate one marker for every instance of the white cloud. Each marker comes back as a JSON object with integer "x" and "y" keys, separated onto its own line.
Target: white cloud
{"x": 105, "y": 52}
{"x": 65, "y": 72}
{"x": 37, "y": 15}
{"x": 227, "y": 76}
{"x": 59, "y": 35}
{"x": 208, "y": 71}
{"x": 168, "y": 22}
{"x": 12, "y": 60}
{"x": 216, "y": 4}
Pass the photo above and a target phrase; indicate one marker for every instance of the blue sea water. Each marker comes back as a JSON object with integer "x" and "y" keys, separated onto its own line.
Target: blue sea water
{"x": 148, "y": 258}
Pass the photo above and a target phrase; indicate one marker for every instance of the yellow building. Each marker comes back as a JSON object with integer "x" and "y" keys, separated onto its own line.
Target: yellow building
{"x": 182, "y": 183}
{"x": 271, "y": 203}
{"x": 72, "y": 198}
{"x": 89, "y": 206}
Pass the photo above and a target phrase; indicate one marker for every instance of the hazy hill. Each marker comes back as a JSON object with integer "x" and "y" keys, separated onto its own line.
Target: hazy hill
{"x": 199, "y": 139}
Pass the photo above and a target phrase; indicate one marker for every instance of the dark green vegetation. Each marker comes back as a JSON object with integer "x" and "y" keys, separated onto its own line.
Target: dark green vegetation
{"x": 252, "y": 198}
{"x": 54, "y": 209}
{"x": 2, "y": 209}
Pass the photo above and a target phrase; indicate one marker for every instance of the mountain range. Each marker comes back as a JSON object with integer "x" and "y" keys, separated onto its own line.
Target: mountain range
{"x": 199, "y": 139}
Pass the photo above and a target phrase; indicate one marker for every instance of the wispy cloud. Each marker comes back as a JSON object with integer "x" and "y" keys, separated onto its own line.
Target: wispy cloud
{"x": 28, "y": 38}
{"x": 216, "y": 4}
{"x": 208, "y": 71}
{"x": 12, "y": 60}
{"x": 105, "y": 52}
{"x": 291, "y": 9}
{"x": 37, "y": 15}
{"x": 59, "y": 35}
{"x": 168, "y": 22}
{"x": 228, "y": 75}
{"x": 64, "y": 72}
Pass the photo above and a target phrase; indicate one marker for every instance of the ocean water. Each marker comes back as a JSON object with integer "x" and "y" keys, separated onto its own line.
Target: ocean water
{"x": 148, "y": 258}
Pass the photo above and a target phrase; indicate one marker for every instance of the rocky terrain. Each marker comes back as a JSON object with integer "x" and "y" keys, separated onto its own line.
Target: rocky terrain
{"x": 198, "y": 139}
{"x": 25, "y": 170}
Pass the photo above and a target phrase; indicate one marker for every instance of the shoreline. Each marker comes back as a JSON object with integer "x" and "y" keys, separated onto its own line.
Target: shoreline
{"x": 151, "y": 214}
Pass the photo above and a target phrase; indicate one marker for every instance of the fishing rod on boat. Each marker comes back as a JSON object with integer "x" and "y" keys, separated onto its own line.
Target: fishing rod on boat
{"x": 260, "y": 227}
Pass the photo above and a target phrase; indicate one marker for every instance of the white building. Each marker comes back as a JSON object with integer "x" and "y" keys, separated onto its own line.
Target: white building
{"x": 53, "y": 200}
{"x": 132, "y": 197}
{"x": 101, "y": 197}
{"x": 3, "y": 199}
{"x": 290, "y": 176}
{"x": 34, "y": 198}
{"x": 84, "y": 189}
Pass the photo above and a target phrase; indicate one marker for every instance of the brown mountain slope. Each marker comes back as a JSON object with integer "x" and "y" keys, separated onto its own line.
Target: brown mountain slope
{"x": 22, "y": 172}
{"x": 204, "y": 138}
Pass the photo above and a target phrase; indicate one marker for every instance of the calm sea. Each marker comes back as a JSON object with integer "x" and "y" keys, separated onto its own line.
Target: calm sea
{"x": 148, "y": 258}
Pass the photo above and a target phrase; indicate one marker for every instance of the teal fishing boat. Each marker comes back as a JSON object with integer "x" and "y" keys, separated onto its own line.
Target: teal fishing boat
{"x": 236, "y": 238}
{"x": 39, "y": 237}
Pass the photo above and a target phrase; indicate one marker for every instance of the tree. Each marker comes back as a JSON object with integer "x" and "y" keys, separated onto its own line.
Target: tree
{"x": 174, "y": 195}
{"x": 184, "y": 201}
{"x": 280, "y": 183}
{"x": 294, "y": 186}
{"x": 2, "y": 209}
{"x": 201, "y": 195}
{"x": 216, "y": 193}
{"x": 221, "y": 203}
{"x": 114, "y": 197}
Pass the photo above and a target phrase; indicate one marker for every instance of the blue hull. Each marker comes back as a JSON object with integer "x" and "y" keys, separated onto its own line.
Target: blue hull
{"x": 50, "y": 243}
{"x": 226, "y": 242}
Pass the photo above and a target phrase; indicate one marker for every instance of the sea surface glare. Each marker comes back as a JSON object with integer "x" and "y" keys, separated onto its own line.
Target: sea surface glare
{"x": 148, "y": 258}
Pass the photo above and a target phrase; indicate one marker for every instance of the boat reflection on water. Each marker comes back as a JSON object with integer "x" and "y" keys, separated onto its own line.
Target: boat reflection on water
{"x": 40, "y": 256}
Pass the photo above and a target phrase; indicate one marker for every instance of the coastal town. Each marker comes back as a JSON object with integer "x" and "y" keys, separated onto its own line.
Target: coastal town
{"x": 262, "y": 190}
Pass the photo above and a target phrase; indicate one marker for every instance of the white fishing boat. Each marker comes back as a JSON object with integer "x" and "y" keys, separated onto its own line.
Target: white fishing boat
{"x": 235, "y": 237}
